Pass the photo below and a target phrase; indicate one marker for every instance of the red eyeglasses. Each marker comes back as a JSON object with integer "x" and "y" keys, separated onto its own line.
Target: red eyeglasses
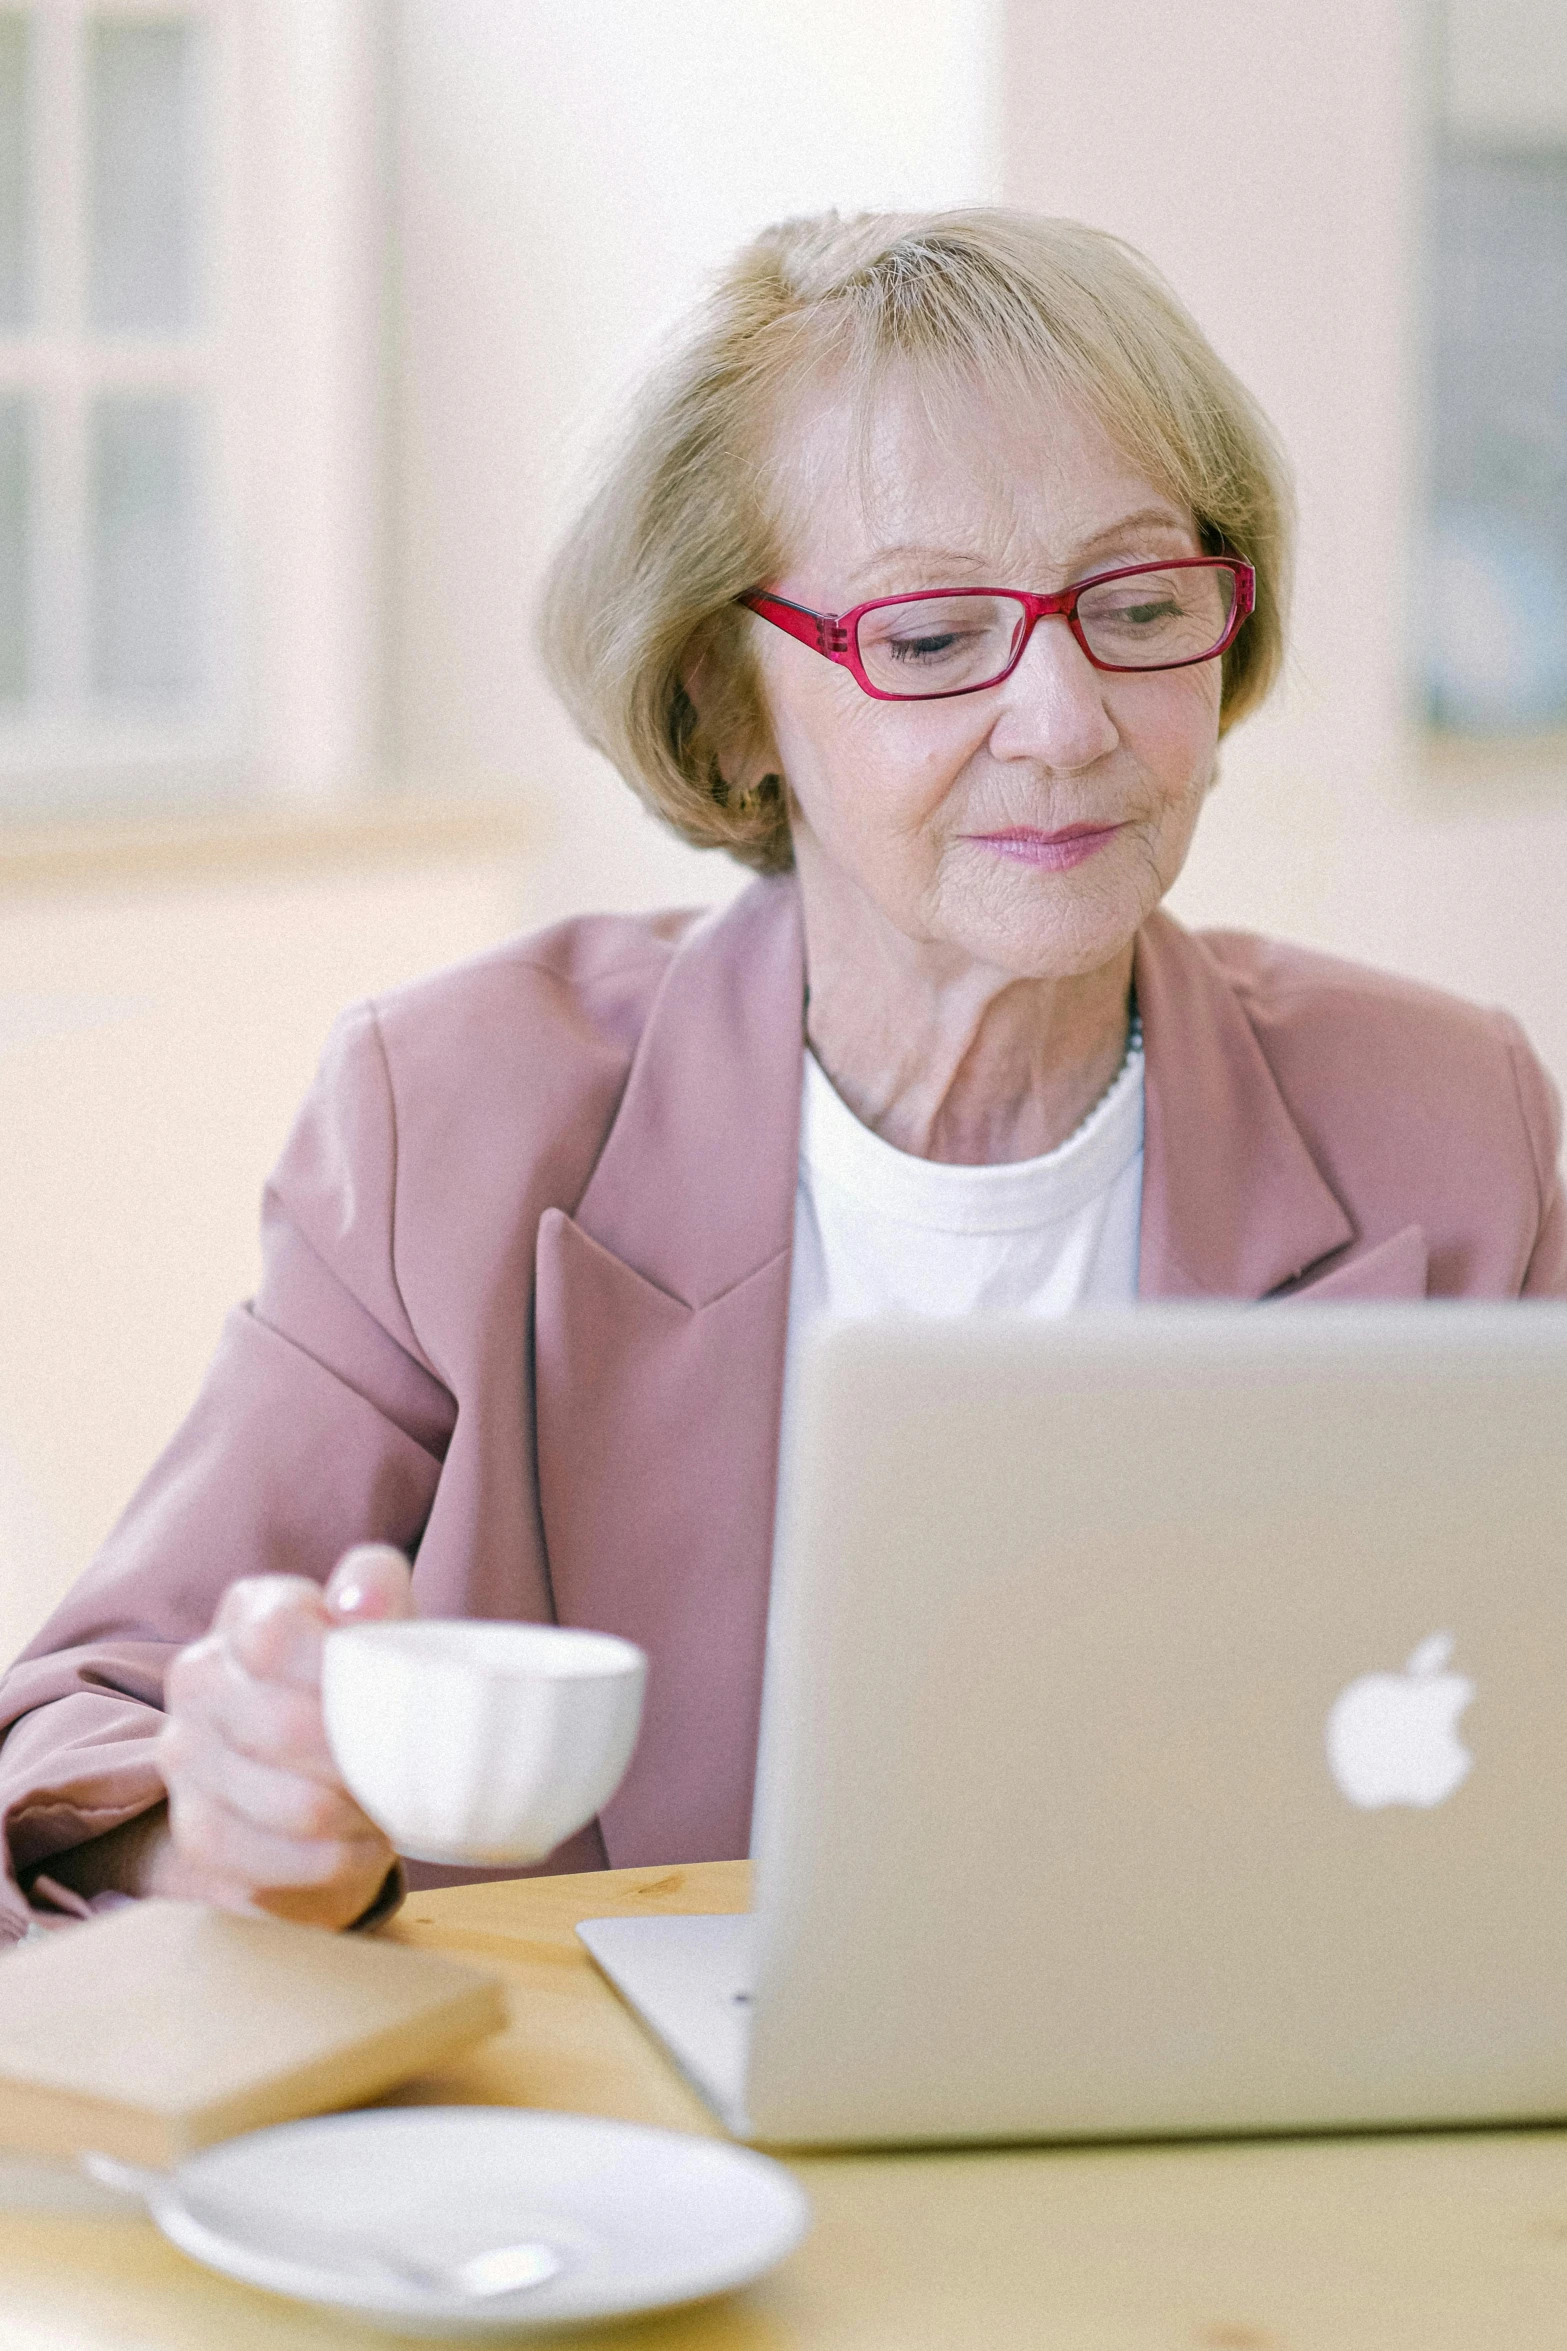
{"x": 945, "y": 641}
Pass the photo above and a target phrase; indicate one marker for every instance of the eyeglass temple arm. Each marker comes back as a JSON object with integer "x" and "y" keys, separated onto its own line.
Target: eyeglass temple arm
{"x": 822, "y": 631}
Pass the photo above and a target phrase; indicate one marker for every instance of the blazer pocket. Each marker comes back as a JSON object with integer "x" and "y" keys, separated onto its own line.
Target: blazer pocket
{"x": 1396, "y": 1268}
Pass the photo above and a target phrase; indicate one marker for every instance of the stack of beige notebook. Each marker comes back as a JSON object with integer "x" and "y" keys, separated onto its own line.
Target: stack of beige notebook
{"x": 166, "y": 2025}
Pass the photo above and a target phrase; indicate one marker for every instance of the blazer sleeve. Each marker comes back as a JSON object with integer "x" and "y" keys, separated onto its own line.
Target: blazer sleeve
{"x": 1545, "y": 1275}
{"x": 320, "y": 1424}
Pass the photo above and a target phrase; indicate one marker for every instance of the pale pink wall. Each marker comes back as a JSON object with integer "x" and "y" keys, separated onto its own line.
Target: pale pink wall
{"x": 1269, "y": 158}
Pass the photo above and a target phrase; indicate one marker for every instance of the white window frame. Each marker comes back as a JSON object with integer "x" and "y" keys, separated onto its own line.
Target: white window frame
{"x": 287, "y": 359}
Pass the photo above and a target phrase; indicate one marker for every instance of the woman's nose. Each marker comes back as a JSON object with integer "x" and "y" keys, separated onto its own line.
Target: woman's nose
{"x": 1053, "y": 704}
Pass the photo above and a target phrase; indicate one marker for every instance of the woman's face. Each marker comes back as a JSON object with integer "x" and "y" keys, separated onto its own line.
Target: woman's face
{"x": 1032, "y": 826}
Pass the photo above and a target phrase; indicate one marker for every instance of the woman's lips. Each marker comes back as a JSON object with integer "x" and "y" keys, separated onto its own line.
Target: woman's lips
{"x": 1056, "y": 852}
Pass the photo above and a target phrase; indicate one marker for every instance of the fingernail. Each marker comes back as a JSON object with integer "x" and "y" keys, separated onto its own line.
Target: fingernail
{"x": 347, "y": 1597}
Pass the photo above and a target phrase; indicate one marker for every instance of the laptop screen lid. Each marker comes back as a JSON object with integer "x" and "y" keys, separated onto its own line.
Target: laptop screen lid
{"x": 1119, "y": 1667}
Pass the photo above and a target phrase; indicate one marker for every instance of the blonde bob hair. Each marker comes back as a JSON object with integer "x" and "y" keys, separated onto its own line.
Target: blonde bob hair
{"x": 688, "y": 510}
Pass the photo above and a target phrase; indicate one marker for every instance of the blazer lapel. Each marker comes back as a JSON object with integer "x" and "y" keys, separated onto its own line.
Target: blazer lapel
{"x": 1233, "y": 1203}
{"x": 661, "y": 1314}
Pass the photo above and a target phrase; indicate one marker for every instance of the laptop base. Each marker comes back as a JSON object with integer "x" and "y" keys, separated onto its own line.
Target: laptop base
{"x": 690, "y": 1980}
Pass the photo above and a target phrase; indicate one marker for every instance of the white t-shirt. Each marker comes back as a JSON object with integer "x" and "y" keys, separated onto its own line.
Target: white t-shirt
{"x": 877, "y": 1232}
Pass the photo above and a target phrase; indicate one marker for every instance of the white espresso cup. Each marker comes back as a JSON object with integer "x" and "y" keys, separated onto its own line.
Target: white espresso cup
{"x": 480, "y": 1743}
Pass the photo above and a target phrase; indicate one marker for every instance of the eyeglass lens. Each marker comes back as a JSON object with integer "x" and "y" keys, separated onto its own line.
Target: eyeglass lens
{"x": 1151, "y": 619}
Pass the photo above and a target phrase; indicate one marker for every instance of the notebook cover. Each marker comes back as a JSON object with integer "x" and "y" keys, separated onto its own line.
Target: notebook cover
{"x": 167, "y": 2025}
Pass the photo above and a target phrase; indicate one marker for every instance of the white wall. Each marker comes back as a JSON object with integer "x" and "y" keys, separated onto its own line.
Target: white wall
{"x": 568, "y": 179}
{"x": 1270, "y": 158}
{"x": 153, "y": 1046}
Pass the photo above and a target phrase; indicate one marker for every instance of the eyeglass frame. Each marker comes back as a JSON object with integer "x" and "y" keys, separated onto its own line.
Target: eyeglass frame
{"x": 836, "y": 635}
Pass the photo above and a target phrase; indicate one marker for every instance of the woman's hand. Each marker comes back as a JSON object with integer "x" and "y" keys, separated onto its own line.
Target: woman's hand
{"x": 258, "y": 1818}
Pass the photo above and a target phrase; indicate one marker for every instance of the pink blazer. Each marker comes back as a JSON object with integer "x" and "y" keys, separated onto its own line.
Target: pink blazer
{"x": 525, "y": 1292}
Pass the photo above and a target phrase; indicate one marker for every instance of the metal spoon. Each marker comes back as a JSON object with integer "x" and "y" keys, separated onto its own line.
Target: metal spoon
{"x": 499, "y": 2269}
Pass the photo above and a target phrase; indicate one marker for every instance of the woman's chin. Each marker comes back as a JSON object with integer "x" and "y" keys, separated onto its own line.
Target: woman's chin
{"x": 1050, "y": 930}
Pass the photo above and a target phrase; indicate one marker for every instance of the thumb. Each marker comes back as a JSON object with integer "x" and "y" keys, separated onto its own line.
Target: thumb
{"x": 373, "y": 1580}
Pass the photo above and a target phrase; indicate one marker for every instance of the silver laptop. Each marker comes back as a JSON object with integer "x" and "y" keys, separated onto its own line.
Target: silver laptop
{"x": 1165, "y": 1732}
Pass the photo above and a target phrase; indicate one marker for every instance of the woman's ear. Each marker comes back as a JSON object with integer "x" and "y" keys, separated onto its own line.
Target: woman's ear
{"x": 731, "y": 726}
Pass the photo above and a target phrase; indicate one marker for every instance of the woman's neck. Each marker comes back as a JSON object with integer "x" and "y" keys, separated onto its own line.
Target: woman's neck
{"x": 947, "y": 1059}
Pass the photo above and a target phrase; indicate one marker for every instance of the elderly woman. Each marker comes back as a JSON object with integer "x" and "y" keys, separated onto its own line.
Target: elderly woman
{"x": 929, "y": 574}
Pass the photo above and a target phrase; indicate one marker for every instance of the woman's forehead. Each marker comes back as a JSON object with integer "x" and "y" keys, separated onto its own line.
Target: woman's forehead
{"x": 962, "y": 478}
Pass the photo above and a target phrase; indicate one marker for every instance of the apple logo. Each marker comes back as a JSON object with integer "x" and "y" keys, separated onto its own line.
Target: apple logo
{"x": 1392, "y": 1738}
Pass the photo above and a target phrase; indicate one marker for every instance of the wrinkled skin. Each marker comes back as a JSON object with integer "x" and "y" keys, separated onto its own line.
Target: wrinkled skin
{"x": 257, "y": 1818}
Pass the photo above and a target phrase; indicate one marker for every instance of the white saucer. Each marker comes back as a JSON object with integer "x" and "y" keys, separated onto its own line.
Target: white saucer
{"x": 641, "y": 2218}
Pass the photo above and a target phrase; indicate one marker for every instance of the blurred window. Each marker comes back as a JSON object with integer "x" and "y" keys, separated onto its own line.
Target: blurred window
{"x": 117, "y": 662}
{"x": 1493, "y": 611}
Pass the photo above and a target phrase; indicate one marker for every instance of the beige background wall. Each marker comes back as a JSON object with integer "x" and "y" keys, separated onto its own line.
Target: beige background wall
{"x": 563, "y": 179}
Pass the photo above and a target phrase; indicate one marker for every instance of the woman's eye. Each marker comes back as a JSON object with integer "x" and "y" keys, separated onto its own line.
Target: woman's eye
{"x": 937, "y": 646}
{"x": 1142, "y": 615}
{"x": 923, "y": 648}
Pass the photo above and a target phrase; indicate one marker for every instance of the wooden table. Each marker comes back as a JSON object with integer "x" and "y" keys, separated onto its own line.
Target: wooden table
{"x": 1389, "y": 2244}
